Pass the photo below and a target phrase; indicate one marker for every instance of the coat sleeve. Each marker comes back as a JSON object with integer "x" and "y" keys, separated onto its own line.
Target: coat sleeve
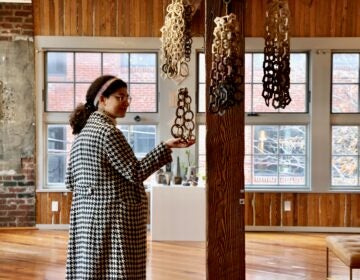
{"x": 123, "y": 159}
{"x": 69, "y": 178}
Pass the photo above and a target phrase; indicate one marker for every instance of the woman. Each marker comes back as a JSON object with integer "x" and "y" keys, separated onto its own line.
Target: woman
{"x": 107, "y": 238}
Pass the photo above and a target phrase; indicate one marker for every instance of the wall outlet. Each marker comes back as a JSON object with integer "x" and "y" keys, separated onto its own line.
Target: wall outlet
{"x": 287, "y": 205}
{"x": 54, "y": 206}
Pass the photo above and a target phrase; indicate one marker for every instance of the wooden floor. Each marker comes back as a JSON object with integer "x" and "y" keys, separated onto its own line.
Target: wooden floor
{"x": 41, "y": 254}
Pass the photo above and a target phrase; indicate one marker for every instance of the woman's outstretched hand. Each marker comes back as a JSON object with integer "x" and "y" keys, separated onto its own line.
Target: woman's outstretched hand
{"x": 178, "y": 143}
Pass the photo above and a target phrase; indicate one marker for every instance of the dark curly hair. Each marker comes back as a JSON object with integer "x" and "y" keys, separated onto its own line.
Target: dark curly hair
{"x": 82, "y": 112}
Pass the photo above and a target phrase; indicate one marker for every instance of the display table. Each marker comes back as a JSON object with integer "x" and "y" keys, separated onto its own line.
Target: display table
{"x": 177, "y": 213}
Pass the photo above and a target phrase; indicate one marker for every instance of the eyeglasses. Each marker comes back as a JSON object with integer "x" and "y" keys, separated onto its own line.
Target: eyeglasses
{"x": 123, "y": 98}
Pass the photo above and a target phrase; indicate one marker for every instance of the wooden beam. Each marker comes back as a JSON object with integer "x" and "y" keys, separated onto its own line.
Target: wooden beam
{"x": 225, "y": 170}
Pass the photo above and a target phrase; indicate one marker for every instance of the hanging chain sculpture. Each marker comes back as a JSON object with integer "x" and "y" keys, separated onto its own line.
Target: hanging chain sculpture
{"x": 7, "y": 103}
{"x": 276, "y": 80}
{"x": 184, "y": 125}
{"x": 176, "y": 40}
{"x": 227, "y": 62}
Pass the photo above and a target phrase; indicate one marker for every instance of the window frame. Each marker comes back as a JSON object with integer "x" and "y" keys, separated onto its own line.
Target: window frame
{"x": 95, "y": 44}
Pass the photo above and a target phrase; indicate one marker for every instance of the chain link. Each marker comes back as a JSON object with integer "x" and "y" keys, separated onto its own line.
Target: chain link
{"x": 227, "y": 63}
{"x": 184, "y": 125}
{"x": 176, "y": 40}
{"x": 276, "y": 80}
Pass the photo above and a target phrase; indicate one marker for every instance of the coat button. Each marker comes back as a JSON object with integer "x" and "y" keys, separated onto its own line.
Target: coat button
{"x": 89, "y": 191}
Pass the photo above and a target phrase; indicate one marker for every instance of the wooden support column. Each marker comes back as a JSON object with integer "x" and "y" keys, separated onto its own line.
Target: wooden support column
{"x": 225, "y": 170}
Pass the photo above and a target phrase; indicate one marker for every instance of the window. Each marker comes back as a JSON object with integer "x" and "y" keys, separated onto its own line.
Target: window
{"x": 345, "y": 156}
{"x": 59, "y": 143}
{"x": 65, "y": 91}
{"x": 66, "y": 70}
{"x": 275, "y": 155}
{"x": 345, "y": 129}
{"x": 276, "y": 149}
{"x": 254, "y": 102}
{"x": 345, "y": 83}
{"x": 80, "y": 69}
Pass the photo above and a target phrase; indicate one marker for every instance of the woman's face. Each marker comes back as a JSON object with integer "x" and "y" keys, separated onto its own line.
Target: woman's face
{"x": 117, "y": 103}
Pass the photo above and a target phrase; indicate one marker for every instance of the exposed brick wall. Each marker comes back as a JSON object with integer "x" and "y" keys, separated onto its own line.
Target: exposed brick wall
{"x": 17, "y": 188}
{"x": 15, "y": 19}
{"x": 17, "y": 197}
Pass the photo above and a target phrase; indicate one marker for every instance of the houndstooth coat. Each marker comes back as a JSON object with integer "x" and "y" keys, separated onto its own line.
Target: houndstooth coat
{"x": 107, "y": 238}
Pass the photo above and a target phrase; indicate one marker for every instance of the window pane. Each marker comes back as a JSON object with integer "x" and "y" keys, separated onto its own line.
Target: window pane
{"x": 259, "y": 101}
{"x": 142, "y": 68}
{"x": 201, "y": 68}
{"x": 292, "y": 170}
{"x": 258, "y": 61}
{"x": 292, "y": 140}
{"x": 202, "y": 96}
{"x": 144, "y": 139}
{"x": 248, "y": 169}
{"x": 248, "y": 68}
{"x": 298, "y": 99}
{"x": 60, "y": 67}
{"x": 345, "y": 98}
{"x": 201, "y": 83}
{"x": 202, "y": 150}
{"x": 345, "y": 68}
{"x": 56, "y": 168}
{"x": 248, "y": 139}
{"x": 254, "y": 102}
{"x": 143, "y": 98}
{"x": 275, "y": 155}
{"x": 87, "y": 66}
{"x": 298, "y": 68}
{"x": 116, "y": 64}
{"x": 344, "y": 171}
{"x": 80, "y": 93}
{"x": 265, "y": 171}
{"x": 345, "y": 140}
{"x": 345, "y": 83}
{"x": 345, "y": 156}
{"x": 60, "y": 97}
{"x": 59, "y": 143}
{"x": 248, "y": 97}
{"x": 265, "y": 139}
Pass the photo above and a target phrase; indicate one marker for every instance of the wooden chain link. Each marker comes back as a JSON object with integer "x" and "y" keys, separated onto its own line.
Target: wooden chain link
{"x": 176, "y": 40}
{"x": 184, "y": 125}
{"x": 276, "y": 80}
{"x": 227, "y": 62}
